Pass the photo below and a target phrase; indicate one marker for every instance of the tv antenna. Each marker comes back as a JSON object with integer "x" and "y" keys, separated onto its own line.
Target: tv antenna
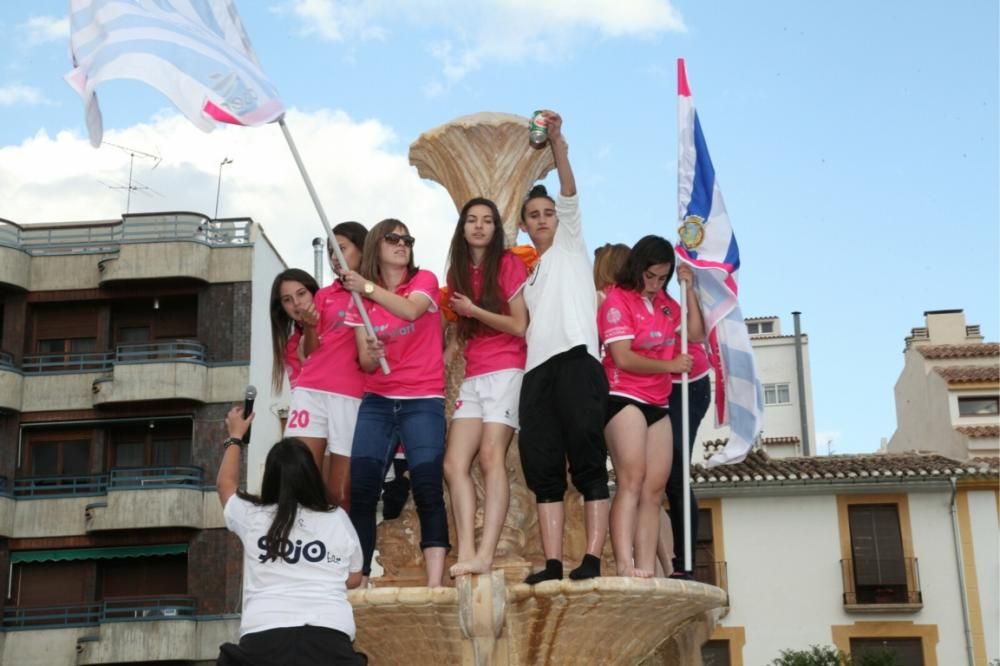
{"x": 133, "y": 184}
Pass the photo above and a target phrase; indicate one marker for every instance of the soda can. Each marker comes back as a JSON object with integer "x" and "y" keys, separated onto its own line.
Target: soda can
{"x": 537, "y": 132}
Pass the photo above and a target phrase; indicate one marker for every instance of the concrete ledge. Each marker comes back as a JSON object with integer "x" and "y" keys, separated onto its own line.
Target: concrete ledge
{"x": 56, "y": 517}
{"x": 141, "y": 382}
{"x": 148, "y": 509}
{"x": 7, "y": 508}
{"x": 15, "y": 267}
{"x": 43, "y": 647}
{"x": 58, "y": 391}
{"x": 145, "y": 261}
{"x": 11, "y": 388}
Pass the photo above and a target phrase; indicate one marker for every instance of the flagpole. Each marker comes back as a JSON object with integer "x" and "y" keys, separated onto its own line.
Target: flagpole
{"x": 685, "y": 433}
{"x": 329, "y": 232}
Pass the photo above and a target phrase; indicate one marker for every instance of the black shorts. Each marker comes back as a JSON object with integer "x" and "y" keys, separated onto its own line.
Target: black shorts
{"x": 562, "y": 419}
{"x": 292, "y": 646}
{"x": 652, "y": 413}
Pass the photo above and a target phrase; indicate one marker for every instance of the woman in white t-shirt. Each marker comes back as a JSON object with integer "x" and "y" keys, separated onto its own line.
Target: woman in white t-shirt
{"x": 301, "y": 555}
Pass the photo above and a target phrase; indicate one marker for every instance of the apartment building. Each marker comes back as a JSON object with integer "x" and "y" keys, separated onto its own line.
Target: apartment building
{"x": 123, "y": 344}
{"x": 948, "y": 393}
{"x": 789, "y": 425}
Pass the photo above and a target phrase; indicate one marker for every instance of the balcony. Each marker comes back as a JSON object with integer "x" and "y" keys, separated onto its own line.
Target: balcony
{"x": 173, "y": 370}
{"x": 10, "y": 384}
{"x": 889, "y": 585}
{"x": 124, "y": 498}
{"x": 121, "y": 629}
{"x": 6, "y": 507}
{"x": 139, "y": 246}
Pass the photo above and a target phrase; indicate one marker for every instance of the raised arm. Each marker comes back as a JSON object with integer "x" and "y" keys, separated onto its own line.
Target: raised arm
{"x": 409, "y": 307}
{"x": 696, "y": 325}
{"x": 560, "y": 153}
{"x": 227, "y": 481}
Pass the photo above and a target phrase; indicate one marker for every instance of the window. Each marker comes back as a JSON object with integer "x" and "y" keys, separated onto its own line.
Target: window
{"x": 715, "y": 653}
{"x": 158, "y": 444}
{"x": 879, "y": 567}
{"x": 704, "y": 555}
{"x": 51, "y": 583}
{"x": 760, "y": 327}
{"x": 60, "y": 353}
{"x": 777, "y": 394}
{"x": 63, "y": 456}
{"x": 908, "y": 651}
{"x": 979, "y": 406}
{"x": 142, "y": 576}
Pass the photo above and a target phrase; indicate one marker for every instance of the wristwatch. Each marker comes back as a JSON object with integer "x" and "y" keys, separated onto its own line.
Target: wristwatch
{"x": 369, "y": 288}
{"x": 232, "y": 440}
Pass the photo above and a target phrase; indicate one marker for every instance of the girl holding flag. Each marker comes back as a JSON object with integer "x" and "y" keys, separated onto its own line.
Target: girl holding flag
{"x": 485, "y": 284}
{"x": 328, "y": 392}
{"x": 637, "y": 322}
{"x": 402, "y": 302}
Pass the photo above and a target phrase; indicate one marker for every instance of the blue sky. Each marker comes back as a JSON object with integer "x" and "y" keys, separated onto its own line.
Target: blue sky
{"x": 856, "y": 144}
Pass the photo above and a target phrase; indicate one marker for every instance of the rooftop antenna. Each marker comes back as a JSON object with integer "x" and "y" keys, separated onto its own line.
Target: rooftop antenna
{"x": 133, "y": 153}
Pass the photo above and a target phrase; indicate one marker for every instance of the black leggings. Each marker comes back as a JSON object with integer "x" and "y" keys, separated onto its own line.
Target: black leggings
{"x": 562, "y": 418}
{"x": 699, "y": 395}
{"x": 292, "y": 646}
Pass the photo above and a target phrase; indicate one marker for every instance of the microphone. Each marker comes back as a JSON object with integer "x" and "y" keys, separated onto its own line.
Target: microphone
{"x": 248, "y": 398}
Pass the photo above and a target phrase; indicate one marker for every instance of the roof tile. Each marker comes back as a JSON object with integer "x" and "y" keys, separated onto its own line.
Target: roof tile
{"x": 973, "y": 350}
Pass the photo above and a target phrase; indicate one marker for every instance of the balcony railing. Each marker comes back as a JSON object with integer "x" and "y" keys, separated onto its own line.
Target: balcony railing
{"x": 146, "y": 352}
{"x": 137, "y": 228}
{"x": 7, "y": 360}
{"x": 149, "y": 478}
{"x": 39, "y": 487}
{"x": 119, "y": 478}
{"x": 116, "y": 609}
{"x": 878, "y": 582}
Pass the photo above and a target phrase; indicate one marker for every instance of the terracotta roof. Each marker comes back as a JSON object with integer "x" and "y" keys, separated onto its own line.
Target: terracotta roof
{"x": 718, "y": 444}
{"x": 760, "y": 318}
{"x": 980, "y": 431}
{"x": 960, "y": 351}
{"x": 760, "y": 469}
{"x": 961, "y": 374}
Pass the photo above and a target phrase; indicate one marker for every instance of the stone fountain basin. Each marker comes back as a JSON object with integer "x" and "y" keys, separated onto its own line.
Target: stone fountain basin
{"x": 607, "y": 620}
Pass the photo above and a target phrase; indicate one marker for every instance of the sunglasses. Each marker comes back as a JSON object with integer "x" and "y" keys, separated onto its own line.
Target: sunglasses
{"x": 392, "y": 238}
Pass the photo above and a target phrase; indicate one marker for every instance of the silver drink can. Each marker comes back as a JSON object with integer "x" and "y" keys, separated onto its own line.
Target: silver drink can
{"x": 538, "y": 133}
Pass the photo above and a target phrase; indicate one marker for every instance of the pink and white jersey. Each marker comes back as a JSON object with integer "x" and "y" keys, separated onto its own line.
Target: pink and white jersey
{"x": 491, "y": 350}
{"x": 700, "y": 365}
{"x": 293, "y": 364}
{"x": 413, "y": 349}
{"x": 650, "y": 326}
{"x": 333, "y": 366}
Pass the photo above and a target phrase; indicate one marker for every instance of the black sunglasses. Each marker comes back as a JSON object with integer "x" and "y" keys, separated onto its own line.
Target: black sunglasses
{"x": 393, "y": 239}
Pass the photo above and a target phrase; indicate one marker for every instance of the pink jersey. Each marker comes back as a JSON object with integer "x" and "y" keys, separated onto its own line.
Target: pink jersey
{"x": 627, "y": 315}
{"x": 490, "y": 350}
{"x": 699, "y": 359}
{"x": 333, "y": 366}
{"x": 413, "y": 349}
{"x": 293, "y": 364}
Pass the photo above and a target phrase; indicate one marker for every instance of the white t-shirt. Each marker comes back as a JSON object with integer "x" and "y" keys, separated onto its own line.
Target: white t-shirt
{"x": 308, "y": 584}
{"x": 560, "y": 294}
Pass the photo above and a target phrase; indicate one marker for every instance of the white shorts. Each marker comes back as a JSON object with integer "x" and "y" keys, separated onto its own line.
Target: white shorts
{"x": 325, "y": 416}
{"x": 492, "y": 398}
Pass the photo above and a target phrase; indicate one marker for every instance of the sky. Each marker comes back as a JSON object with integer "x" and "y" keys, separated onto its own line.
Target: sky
{"x": 855, "y": 142}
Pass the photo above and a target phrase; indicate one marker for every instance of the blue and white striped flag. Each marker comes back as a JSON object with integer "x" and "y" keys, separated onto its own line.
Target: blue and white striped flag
{"x": 708, "y": 245}
{"x": 195, "y": 52}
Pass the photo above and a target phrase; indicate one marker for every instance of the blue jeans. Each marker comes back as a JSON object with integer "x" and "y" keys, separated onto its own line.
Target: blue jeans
{"x": 419, "y": 423}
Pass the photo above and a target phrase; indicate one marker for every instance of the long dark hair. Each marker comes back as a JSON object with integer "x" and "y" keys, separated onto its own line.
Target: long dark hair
{"x": 459, "y": 277}
{"x": 370, "y": 268}
{"x": 281, "y": 323}
{"x": 291, "y": 479}
{"x": 649, "y": 251}
{"x": 355, "y": 232}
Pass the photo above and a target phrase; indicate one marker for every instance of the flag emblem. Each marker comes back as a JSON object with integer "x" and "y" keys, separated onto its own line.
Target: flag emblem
{"x": 692, "y": 231}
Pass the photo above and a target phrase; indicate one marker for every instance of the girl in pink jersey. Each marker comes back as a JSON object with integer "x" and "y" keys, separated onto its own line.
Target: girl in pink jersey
{"x": 292, "y": 294}
{"x": 608, "y": 260}
{"x": 327, "y": 395}
{"x": 637, "y": 324}
{"x": 485, "y": 284}
{"x": 402, "y": 303}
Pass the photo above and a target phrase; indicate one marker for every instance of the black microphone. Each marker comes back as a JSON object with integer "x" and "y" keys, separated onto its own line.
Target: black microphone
{"x": 248, "y": 399}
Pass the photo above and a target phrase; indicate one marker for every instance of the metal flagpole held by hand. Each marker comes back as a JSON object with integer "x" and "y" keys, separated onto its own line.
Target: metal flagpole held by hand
{"x": 329, "y": 233}
{"x": 685, "y": 433}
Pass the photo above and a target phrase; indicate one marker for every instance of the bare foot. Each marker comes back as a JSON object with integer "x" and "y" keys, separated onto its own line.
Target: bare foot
{"x": 642, "y": 573}
{"x": 474, "y": 565}
{"x": 626, "y": 572}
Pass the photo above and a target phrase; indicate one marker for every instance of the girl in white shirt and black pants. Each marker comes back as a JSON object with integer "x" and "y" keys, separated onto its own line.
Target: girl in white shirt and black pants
{"x": 564, "y": 391}
{"x": 301, "y": 555}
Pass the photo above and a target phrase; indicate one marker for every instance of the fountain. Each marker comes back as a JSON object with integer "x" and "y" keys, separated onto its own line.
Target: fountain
{"x": 495, "y": 619}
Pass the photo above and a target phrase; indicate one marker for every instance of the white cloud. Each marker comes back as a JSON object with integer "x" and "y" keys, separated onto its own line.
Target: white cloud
{"x": 17, "y": 93}
{"x": 352, "y": 164}
{"x": 490, "y": 30}
{"x": 41, "y": 29}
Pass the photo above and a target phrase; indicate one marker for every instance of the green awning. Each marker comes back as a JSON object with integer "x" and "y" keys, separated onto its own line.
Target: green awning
{"x": 63, "y": 555}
